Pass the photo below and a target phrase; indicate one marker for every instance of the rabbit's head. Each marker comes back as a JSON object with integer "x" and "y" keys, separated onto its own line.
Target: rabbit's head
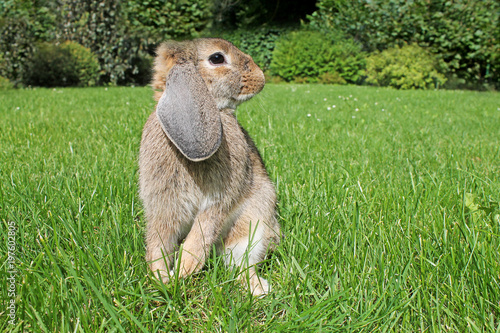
{"x": 196, "y": 79}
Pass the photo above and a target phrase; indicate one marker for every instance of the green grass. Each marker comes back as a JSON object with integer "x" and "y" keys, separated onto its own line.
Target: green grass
{"x": 388, "y": 201}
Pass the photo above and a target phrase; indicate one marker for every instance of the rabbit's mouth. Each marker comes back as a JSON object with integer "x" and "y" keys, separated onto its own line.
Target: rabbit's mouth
{"x": 244, "y": 97}
{"x": 229, "y": 103}
{"x": 233, "y": 102}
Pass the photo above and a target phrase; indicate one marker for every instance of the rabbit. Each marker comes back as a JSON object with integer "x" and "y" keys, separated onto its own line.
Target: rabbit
{"x": 202, "y": 180}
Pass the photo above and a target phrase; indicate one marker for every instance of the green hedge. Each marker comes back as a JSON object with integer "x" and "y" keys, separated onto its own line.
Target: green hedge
{"x": 408, "y": 67}
{"x": 463, "y": 34}
{"x": 68, "y": 64}
{"x": 311, "y": 56}
{"x": 123, "y": 35}
{"x": 5, "y": 83}
{"x": 22, "y": 24}
{"x": 159, "y": 20}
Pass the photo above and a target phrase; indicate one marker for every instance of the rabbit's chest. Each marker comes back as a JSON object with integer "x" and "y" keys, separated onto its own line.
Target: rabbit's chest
{"x": 228, "y": 171}
{"x": 225, "y": 173}
{"x": 214, "y": 185}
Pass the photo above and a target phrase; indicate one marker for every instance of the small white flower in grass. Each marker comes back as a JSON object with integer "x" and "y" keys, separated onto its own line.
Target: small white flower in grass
{"x": 356, "y": 110}
{"x": 328, "y": 108}
{"x": 127, "y": 103}
{"x": 353, "y": 117}
{"x": 350, "y": 96}
{"x": 324, "y": 99}
{"x": 333, "y": 106}
{"x": 18, "y": 108}
{"x": 383, "y": 110}
{"x": 376, "y": 103}
{"x": 308, "y": 114}
{"x": 355, "y": 99}
{"x": 106, "y": 89}
{"x": 340, "y": 96}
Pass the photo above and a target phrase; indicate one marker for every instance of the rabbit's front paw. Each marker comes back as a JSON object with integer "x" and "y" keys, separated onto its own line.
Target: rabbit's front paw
{"x": 162, "y": 275}
{"x": 259, "y": 286}
{"x": 189, "y": 264}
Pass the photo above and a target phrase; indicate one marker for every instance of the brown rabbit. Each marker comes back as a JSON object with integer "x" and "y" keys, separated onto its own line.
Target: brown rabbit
{"x": 202, "y": 180}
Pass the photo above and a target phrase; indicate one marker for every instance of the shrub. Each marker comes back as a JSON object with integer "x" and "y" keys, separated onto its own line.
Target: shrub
{"x": 408, "y": 67}
{"x": 5, "y": 83}
{"x": 67, "y": 64}
{"x": 21, "y": 23}
{"x": 463, "y": 34}
{"x": 140, "y": 70}
{"x": 311, "y": 56}
{"x": 101, "y": 26}
{"x": 169, "y": 19}
{"x": 85, "y": 62}
{"x": 331, "y": 78}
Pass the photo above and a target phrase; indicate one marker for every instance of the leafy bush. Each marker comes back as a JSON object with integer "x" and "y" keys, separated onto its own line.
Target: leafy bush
{"x": 169, "y": 19}
{"x": 5, "y": 83}
{"x": 21, "y": 23}
{"x": 85, "y": 62}
{"x": 310, "y": 56}
{"x": 124, "y": 34}
{"x": 463, "y": 34}
{"x": 16, "y": 46}
{"x": 259, "y": 43}
{"x": 140, "y": 71}
{"x": 408, "y": 67}
{"x": 68, "y": 64}
{"x": 331, "y": 78}
{"x": 99, "y": 25}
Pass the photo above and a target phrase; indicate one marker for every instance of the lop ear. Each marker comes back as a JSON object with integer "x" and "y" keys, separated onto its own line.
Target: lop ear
{"x": 188, "y": 113}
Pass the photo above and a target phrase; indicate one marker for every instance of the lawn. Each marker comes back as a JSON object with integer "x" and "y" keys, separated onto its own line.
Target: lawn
{"x": 389, "y": 202}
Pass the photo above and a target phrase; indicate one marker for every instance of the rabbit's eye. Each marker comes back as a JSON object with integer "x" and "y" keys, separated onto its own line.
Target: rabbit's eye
{"x": 216, "y": 59}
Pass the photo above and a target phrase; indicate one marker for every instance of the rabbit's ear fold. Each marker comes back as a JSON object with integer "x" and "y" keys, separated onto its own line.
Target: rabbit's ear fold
{"x": 189, "y": 114}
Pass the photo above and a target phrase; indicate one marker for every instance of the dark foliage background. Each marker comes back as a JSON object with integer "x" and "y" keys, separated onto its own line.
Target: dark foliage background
{"x": 462, "y": 36}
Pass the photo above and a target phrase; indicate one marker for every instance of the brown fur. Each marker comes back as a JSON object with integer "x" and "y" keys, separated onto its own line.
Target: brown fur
{"x": 227, "y": 197}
